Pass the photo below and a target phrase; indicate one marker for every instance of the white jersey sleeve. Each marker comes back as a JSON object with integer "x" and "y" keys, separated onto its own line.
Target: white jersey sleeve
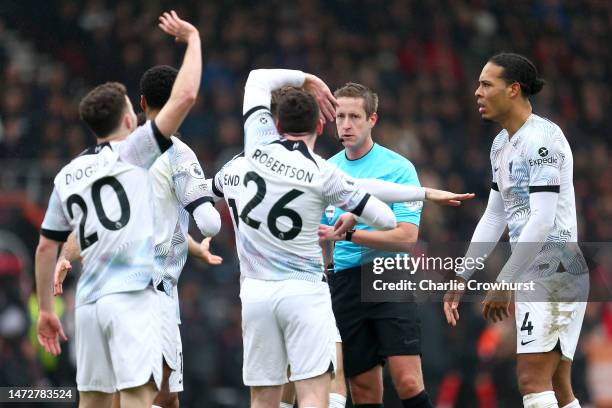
{"x": 143, "y": 145}
{"x": 545, "y": 155}
{"x": 188, "y": 177}
{"x": 55, "y": 226}
{"x": 259, "y": 126}
{"x": 341, "y": 190}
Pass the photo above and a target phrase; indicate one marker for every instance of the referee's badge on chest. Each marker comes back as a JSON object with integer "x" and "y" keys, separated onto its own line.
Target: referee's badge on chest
{"x": 330, "y": 210}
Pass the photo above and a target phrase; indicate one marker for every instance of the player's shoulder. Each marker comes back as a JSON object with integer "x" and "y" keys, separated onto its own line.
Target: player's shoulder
{"x": 390, "y": 158}
{"x": 87, "y": 165}
{"x": 543, "y": 132}
{"x": 499, "y": 141}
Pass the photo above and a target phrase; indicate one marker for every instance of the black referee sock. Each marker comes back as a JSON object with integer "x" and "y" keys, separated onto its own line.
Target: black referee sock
{"x": 369, "y": 406}
{"x": 418, "y": 401}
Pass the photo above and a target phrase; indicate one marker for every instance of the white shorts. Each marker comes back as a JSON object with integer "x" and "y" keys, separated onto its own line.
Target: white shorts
{"x": 118, "y": 342}
{"x": 172, "y": 347}
{"x": 286, "y": 323}
{"x": 547, "y": 315}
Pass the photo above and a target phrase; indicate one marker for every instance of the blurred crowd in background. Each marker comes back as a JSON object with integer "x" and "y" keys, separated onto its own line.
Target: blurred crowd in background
{"x": 423, "y": 58}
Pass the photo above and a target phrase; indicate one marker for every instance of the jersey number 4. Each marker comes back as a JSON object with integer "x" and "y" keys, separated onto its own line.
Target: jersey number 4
{"x": 96, "y": 189}
{"x": 277, "y": 210}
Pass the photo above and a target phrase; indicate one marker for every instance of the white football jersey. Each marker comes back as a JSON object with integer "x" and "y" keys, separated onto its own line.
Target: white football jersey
{"x": 282, "y": 190}
{"x": 105, "y": 195}
{"x": 538, "y": 158}
{"x": 178, "y": 188}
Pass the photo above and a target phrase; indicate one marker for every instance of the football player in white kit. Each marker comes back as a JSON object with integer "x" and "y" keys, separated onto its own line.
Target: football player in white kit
{"x": 227, "y": 184}
{"x": 105, "y": 194}
{"x": 179, "y": 189}
{"x": 533, "y": 194}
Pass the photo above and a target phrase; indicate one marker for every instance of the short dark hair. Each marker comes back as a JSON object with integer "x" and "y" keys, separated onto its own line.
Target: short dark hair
{"x": 518, "y": 68}
{"x": 355, "y": 90}
{"x": 277, "y": 95}
{"x": 297, "y": 112}
{"x": 102, "y": 108}
{"x": 156, "y": 85}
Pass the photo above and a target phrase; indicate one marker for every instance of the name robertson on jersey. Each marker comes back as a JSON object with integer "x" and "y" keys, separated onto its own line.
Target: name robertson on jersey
{"x": 281, "y": 168}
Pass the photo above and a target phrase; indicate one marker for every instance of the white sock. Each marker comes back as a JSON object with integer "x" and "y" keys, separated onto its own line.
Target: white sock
{"x": 573, "y": 404}
{"x": 155, "y": 406}
{"x": 544, "y": 399}
{"x": 286, "y": 405}
{"x": 338, "y": 400}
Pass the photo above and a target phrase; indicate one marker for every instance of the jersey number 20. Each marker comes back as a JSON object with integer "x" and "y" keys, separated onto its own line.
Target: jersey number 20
{"x": 277, "y": 210}
{"x": 96, "y": 189}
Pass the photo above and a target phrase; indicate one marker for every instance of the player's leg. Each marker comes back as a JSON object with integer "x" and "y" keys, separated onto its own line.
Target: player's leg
{"x": 362, "y": 362}
{"x": 131, "y": 325}
{"x": 314, "y": 392}
{"x": 288, "y": 393}
{"x": 305, "y": 315}
{"x": 265, "y": 359}
{"x": 164, "y": 397}
{"x": 367, "y": 387}
{"x": 535, "y": 372}
{"x": 116, "y": 400}
{"x": 337, "y": 392}
{"x": 568, "y": 339}
{"x": 167, "y": 397}
{"x": 94, "y": 367}
{"x": 265, "y": 396}
{"x": 399, "y": 335}
{"x": 138, "y": 397}
{"x": 562, "y": 385}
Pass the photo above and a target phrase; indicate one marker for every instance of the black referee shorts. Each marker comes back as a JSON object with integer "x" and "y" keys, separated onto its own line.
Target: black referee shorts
{"x": 371, "y": 331}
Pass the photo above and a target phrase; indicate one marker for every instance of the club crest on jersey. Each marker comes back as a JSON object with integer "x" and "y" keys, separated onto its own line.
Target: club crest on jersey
{"x": 196, "y": 171}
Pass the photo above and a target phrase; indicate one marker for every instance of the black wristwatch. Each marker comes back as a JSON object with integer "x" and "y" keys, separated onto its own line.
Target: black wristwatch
{"x": 349, "y": 235}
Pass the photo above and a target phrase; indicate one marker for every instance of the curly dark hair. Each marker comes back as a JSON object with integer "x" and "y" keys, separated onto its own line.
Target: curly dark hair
{"x": 102, "y": 108}
{"x": 156, "y": 85}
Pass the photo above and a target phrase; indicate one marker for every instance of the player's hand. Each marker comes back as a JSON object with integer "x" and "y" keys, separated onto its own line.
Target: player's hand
{"x": 442, "y": 197}
{"x": 62, "y": 267}
{"x": 496, "y": 305}
{"x": 324, "y": 97}
{"x": 346, "y": 222}
{"x": 206, "y": 255}
{"x": 49, "y": 330}
{"x": 451, "y": 303}
{"x": 181, "y": 30}
{"x": 327, "y": 233}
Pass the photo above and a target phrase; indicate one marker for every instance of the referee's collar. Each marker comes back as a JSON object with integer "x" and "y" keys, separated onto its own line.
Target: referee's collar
{"x": 362, "y": 157}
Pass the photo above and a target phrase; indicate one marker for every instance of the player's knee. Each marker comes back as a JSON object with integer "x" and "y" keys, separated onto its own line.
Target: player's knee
{"x": 408, "y": 384}
{"x": 365, "y": 391}
{"x": 529, "y": 382}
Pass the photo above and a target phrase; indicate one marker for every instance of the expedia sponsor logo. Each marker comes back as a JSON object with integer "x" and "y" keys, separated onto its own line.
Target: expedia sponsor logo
{"x": 543, "y": 152}
{"x": 540, "y": 162}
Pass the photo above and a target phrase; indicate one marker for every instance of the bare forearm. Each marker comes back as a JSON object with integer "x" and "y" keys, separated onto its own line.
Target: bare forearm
{"x": 193, "y": 247}
{"x": 327, "y": 248}
{"x": 184, "y": 91}
{"x": 70, "y": 249}
{"x": 45, "y": 262}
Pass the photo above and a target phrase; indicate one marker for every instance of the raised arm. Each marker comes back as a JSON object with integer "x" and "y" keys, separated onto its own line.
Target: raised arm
{"x": 187, "y": 83}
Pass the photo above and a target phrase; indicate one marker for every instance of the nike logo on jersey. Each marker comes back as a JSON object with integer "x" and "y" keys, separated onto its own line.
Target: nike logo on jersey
{"x": 523, "y": 342}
